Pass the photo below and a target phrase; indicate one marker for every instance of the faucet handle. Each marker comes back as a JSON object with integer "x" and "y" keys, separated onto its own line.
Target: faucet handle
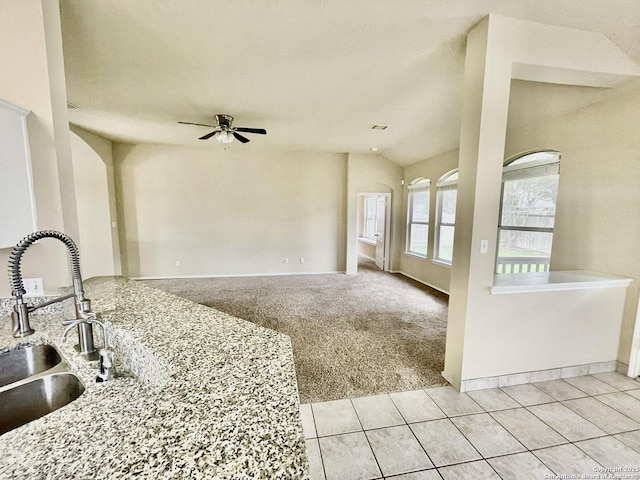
{"x": 69, "y": 324}
{"x": 89, "y": 315}
{"x": 107, "y": 364}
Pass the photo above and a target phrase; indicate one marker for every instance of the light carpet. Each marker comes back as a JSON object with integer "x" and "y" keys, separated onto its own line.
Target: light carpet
{"x": 352, "y": 335}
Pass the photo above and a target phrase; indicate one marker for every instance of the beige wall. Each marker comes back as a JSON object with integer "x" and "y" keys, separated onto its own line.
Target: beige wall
{"x": 104, "y": 149}
{"x": 94, "y": 216}
{"x": 598, "y": 215}
{"x": 424, "y": 270}
{"x": 497, "y": 49}
{"x": 229, "y": 212}
{"x": 366, "y": 249}
{"x": 31, "y": 62}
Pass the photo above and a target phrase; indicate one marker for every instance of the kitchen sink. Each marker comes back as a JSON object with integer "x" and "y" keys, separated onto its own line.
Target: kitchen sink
{"x": 33, "y": 399}
{"x": 19, "y": 364}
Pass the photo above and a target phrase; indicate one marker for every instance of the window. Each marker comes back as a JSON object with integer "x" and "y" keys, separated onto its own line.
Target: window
{"x": 527, "y": 212}
{"x": 418, "y": 217}
{"x": 370, "y": 206}
{"x": 447, "y": 188}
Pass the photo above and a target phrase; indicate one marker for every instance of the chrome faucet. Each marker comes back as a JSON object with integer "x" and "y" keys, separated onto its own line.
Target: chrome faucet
{"x": 107, "y": 355}
{"x": 21, "y": 310}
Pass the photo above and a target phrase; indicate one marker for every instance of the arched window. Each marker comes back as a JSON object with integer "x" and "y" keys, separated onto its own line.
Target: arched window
{"x": 418, "y": 217}
{"x": 447, "y": 194}
{"x": 527, "y": 212}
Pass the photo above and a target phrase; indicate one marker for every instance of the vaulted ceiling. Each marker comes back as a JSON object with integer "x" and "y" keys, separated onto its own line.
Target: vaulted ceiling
{"x": 316, "y": 74}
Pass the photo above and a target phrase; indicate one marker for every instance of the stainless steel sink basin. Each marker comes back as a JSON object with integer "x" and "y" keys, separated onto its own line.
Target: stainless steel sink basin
{"x": 31, "y": 400}
{"x": 22, "y": 363}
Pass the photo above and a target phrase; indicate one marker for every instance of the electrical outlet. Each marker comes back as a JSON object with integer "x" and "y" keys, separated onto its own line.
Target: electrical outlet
{"x": 301, "y": 260}
{"x": 286, "y": 260}
{"x": 33, "y": 286}
{"x": 177, "y": 263}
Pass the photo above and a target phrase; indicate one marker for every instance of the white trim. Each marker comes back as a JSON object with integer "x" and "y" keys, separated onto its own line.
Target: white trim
{"x": 170, "y": 277}
{"x": 422, "y": 282}
{"x": 554, "y": 281}
{"x": 419, "y": 185}
{"x": 415, "y": 255}
{"x": 387, "y": 232}
{"x": 441, "y": 263}
{"x": 387, "y": 225}
{"x": 360, "y": 254}
{"x": 633, "y": 369}
{"x": 366, "y": 240}
{"x": 27, "y": 169}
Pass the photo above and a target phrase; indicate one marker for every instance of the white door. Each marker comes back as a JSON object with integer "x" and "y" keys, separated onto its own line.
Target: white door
{"x": 381, "y": 211}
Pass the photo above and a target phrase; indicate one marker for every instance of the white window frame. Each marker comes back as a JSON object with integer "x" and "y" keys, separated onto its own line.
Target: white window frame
{"x": 417, "y": 186}
{"x": 540, "y": 163}
{"x": 370, "y": 215}
{"x": 446, "y": 183}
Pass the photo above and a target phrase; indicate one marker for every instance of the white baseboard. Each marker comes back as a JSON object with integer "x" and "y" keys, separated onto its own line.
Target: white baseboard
{"x": 421, "y": 281}
{"x": 172, "y": 277}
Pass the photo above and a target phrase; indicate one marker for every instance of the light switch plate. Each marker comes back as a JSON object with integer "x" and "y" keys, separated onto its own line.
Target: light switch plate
{"x": 33, "y": 286}
{"x": 484, "y": 246}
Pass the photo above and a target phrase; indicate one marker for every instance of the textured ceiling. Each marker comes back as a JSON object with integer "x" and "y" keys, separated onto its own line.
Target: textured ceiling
{"x": 315, "y": 73}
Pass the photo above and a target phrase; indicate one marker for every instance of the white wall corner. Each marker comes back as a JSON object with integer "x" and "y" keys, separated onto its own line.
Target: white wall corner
{"x": 498, "y": 50}
{"x": 562, "y": 55}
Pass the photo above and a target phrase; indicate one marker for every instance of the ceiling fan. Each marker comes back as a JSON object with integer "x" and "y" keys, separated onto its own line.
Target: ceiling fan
{"x": 226, "y": 131}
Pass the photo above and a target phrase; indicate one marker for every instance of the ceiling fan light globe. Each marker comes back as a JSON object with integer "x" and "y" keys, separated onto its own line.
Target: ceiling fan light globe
{"x": 225, "y": 137}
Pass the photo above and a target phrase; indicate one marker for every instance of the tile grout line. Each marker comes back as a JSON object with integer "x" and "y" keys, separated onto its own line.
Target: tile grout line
{"x": 313, "y": 417}
{"x": 541, "y": 420}
{"x": 531, "y": 451}
{"x": 453, "y": 416}
{"x": 615, "y": 409}
{"x": 418, "y": 440}
{"x": 595, "y": 397}
{"x": 364, "y": 432}
{"x": 570, "y": 441}
{"x": 594, "y": 378}
{"x": 563, "y": 381}
{"x": 504, "y": 428}
{"x": 482, "y": 457}
{"x": 520, "y": 403}
{"x": 586, "y": 453}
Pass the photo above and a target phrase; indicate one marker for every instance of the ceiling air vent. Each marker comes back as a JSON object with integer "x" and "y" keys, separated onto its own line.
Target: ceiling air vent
{"x": 377, "y": 126}
{"x": 71, "y": 106}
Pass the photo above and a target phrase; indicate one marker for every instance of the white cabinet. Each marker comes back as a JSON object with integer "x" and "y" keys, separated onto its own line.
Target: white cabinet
{"x": 17, "y": 200}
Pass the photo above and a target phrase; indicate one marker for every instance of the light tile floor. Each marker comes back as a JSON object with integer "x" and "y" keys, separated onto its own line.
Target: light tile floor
{"x": 555, "y": 429}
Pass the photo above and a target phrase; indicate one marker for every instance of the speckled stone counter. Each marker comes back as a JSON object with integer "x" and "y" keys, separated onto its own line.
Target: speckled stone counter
{"x": 200, "y": 395}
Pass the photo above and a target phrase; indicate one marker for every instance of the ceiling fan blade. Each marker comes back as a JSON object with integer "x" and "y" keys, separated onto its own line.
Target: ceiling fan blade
{"x": 208, "y": 135}
{"x": 201, "y": 124}
{"x": 261, "y": 131}
{"x": 240, "y": 137}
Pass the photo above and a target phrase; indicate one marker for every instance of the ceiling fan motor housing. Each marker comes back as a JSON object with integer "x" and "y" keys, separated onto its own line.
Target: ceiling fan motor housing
{"x": 224, "y": 121}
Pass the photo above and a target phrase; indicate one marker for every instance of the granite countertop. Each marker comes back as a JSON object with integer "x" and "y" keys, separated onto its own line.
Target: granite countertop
{"x": 200, "y": 395}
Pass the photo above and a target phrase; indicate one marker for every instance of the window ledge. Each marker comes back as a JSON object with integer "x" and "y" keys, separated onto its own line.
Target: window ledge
{"x": 415, "y": 255}
{"x": 366, "y": 240}
{"x": 554, "y": 281}
{"x": 441, "y": 263}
